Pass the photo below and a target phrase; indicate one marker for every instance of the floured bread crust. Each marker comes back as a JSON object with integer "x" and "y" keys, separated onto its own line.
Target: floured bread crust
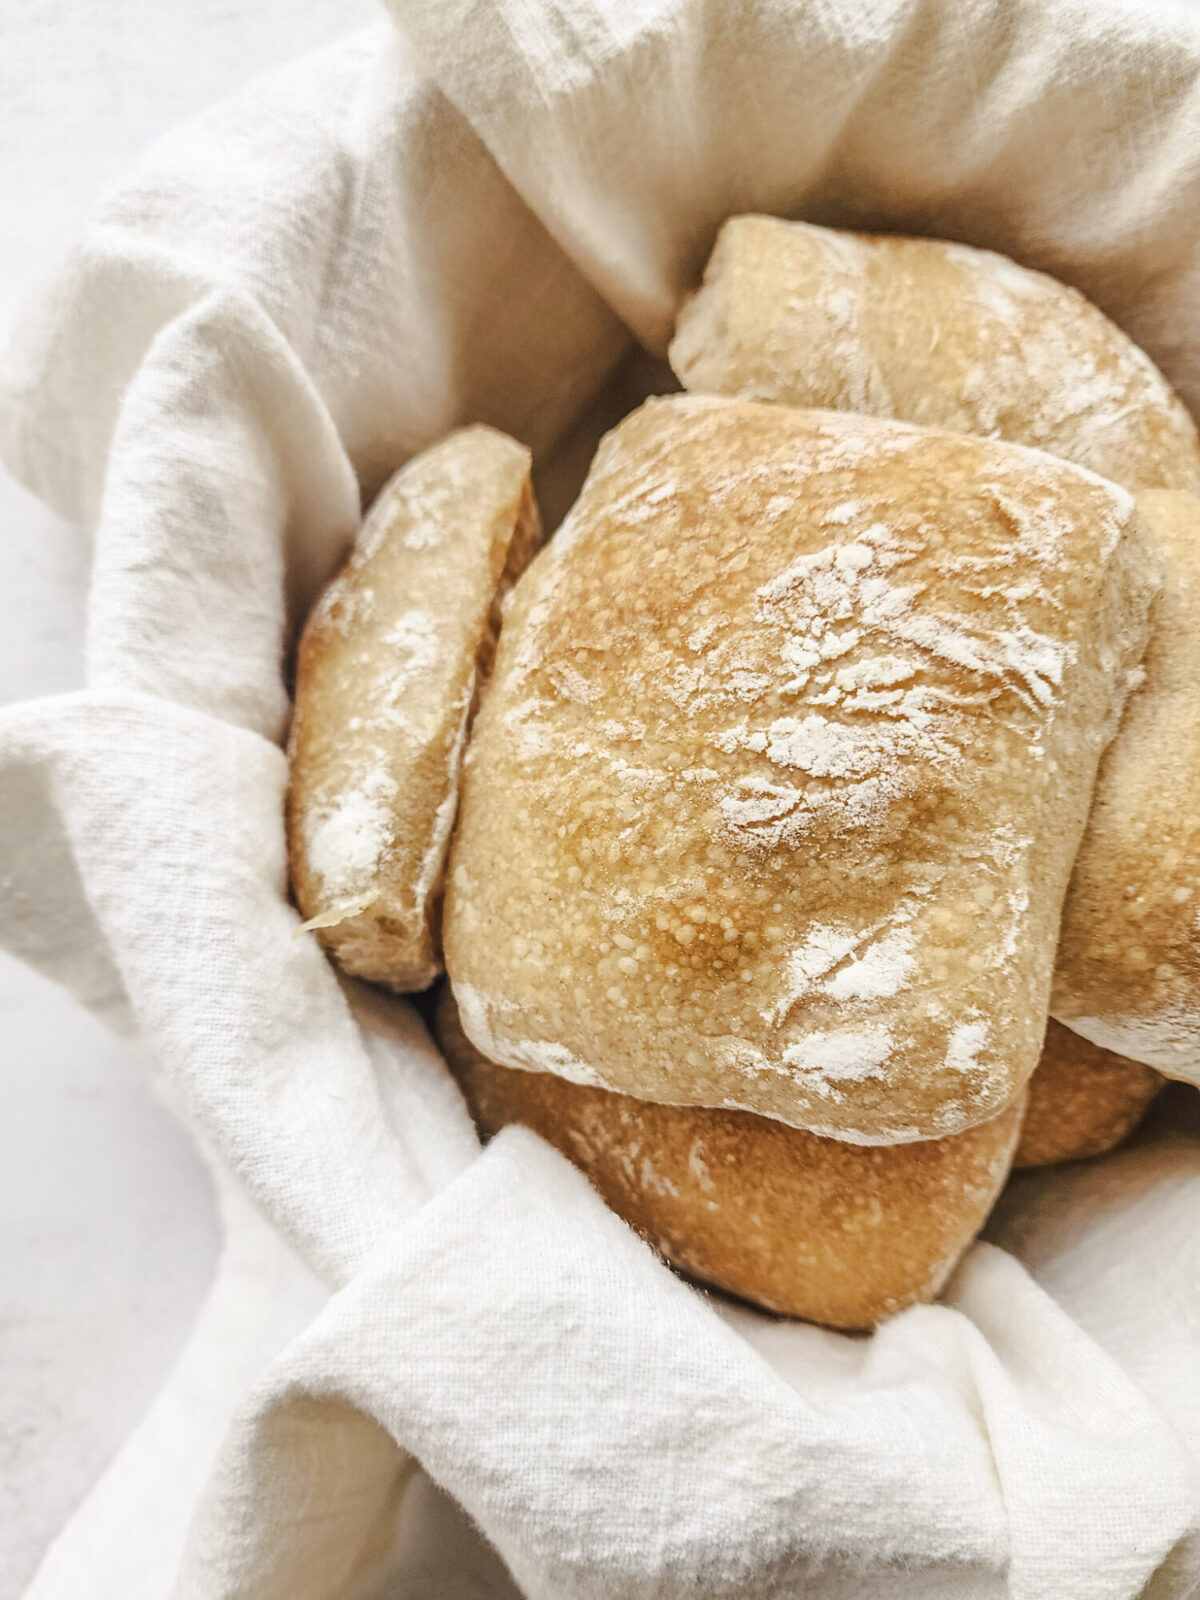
{"x": 830, "y": 1232}
{"x": 1128, "y": 973}
{"x": 773, "y": 799}
{"x": 1083, "y": 1101}
{"x": 385, "y": 683}
{"x": 934, "y": 333}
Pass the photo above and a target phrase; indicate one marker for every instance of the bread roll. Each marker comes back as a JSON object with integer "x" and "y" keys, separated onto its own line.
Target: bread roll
{"x": 1128, "y": 970}
{"x": 1082, "y": 1101}
{"x": 773, "y": 798}
{"x": 385, "y": 681}
{"x": 830, "y": 1232}
{"x": 933, "y": 333}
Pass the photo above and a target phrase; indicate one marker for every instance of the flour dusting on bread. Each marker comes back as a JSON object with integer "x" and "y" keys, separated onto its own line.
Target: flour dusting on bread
{"x": 345, "y": 840}
{"x": 784, "y": 672}
{"x": 386, "y": 683}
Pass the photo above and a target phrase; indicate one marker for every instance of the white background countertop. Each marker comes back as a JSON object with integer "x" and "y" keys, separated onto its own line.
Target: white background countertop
{"x": 107, "y": 1232}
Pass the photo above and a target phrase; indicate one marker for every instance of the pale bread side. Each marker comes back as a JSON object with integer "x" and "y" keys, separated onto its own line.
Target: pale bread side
{"x": 1128, "y": 969}
{"x": 387, "y": 674}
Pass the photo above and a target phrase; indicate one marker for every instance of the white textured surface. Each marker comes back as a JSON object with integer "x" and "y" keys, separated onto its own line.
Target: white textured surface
{"x": 108, "y": 1233}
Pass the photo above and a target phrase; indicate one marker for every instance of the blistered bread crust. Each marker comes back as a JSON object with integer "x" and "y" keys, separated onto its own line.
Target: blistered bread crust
{"x": 1083, "y": 1101}
{"x": 834, "y": 1233}
{"x": 933, "y": 333}
{"x": 1128, "y": 973}
{"x": 773, "y": 799}
{"x": 385, "y": 684}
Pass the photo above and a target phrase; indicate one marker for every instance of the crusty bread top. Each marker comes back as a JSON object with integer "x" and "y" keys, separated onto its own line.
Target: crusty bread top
{"x": 793, "y": 731}
{"x": 934, "y": 333}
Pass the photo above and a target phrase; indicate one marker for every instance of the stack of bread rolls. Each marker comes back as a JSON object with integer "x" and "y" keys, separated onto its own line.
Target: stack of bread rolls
{"x": 840, "y": 735}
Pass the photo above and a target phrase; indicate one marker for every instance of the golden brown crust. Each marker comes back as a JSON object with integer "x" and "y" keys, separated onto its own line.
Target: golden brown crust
{"x": 1082, "y": 1101}
{"x": 934, "y": 333}
{"x": 388, "y": 668}
{"x": 1128, "y": 970}
{"x": 839, "y": 1234}
{"x": 773, "y": 800}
